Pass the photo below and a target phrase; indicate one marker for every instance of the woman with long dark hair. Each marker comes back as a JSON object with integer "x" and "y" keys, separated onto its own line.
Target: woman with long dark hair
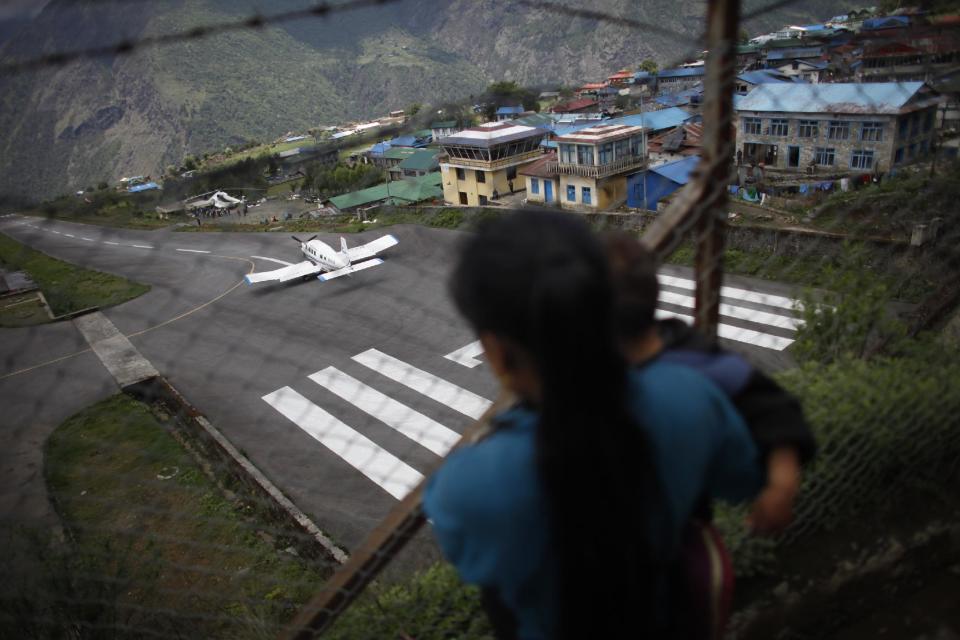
{"x": 570, "y": 513}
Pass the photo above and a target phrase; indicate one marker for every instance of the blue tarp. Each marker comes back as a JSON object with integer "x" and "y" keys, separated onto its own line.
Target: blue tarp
{"x": 647, "y": 188}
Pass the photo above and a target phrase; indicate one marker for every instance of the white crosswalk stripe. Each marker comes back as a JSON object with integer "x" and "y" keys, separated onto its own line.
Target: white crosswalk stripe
{"x": 413, "y": 424}
{"x": 372, "y": 459}
{"x": 457, "y": 398}
{"x": 780, "y": 313}
{"x": 389, "y": 472}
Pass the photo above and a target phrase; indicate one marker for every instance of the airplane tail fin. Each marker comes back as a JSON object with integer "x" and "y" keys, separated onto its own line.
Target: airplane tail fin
{"x": 343, "y": 249}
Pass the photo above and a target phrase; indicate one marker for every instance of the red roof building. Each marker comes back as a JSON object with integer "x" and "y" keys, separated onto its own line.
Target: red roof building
{"x": 581, "y": 105}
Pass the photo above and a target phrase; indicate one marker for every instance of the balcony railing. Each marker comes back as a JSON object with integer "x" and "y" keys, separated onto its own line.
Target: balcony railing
{"x": 493, "y": 164}
{"x": 596, "y": 171}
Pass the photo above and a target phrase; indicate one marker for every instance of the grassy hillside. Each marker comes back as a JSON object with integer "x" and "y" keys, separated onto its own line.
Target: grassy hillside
{"x": 102, "y": 119}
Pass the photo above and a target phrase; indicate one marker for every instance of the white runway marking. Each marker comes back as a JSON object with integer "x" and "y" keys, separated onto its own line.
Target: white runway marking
{"x": 467, "y": 356}
{"x": 746, "y": 295}
{"x": 283, "y": 262}
{"x": 413, "y": 424}
{"x": 765, "y": 340}
{"x": 733, "y": 311}
{"x": 392, "y": 474}
{"x": 141, "y": 246}
{"x": 70, "y": 235}
{"x": 58, "y": 233}
{"x": 116, "y": 244}
{"x": 457, "y": 398}
{"x": 87, "y": 239}
{"x": 192, "y": 251}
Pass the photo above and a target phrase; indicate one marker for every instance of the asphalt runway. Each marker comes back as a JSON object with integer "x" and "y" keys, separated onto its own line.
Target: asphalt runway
{"x": 345, "y": 393}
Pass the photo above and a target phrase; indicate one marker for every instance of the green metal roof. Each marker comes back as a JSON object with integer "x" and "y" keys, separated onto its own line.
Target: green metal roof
{"x": 423, "y": 160}
{"x": 399, "y": 153}
{"x": 407, "y": 190}
{"x": 423, "y": 133}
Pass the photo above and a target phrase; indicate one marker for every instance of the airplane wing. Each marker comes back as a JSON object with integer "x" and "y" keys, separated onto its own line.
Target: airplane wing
{"x": 371, "y": 249}
{"x": 360, "y": 266}
{"x": 291, "y": 272}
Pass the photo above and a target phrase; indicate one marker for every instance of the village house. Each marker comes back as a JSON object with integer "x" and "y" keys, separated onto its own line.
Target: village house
{"x": 541, "y": 179}
{"x": 508, "y": 113}
{"x": 836, "y": 127}
{"x": 419, "y": 163}
{"x": 676, "y": 144}
{"x": 593, "y": 163}
{"x": 481, "y": 161}
{"x": 443, "y": 128}
{"x": 750, "y": 80}
{"x": 580, "y": 105}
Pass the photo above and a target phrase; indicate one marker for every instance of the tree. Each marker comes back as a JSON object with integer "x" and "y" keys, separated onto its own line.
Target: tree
{"x": 413, "y": 109}
{"x": 649, "y": 65}
{"x": 102, "y": 186}
{"x": 190, "y": 163}
{"x": 744, "y": 36}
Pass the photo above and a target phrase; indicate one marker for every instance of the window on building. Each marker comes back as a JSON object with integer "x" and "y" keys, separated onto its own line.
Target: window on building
{"x": 838, "y": 130}
{"x": 809, "y": 129}
{"x": 861, "y": 159}
{"x": 481, "y": 176}
{"x": 621, "y": 148}
{"x": 568, "y": 153}
{"x": 605, "y": 153}
{"x": 461, "y": 174}
{"x": 512, "y": 173}
{"x": 824, "y": 156}
{"x": 585, "y": 154}
{"x": 904, "y": 125}
{"x": 779, "y": 127}
{"x": 463, "y": 198}
{"x": 534, "y": 185}
{"x": 482, "y": 199}
{"x": 752, "y": 126}
{"x": 928, "y": 121}
{"x": 585, "y": 195}
{"x": 571, "y": 193}
{"x": 898, "y": 156}
{"x": 636, "y": 145}
{"x": 871, "y": 131}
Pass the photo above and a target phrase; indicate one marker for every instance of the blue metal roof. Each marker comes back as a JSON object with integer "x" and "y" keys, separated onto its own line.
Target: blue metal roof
{"x": 679, "y": 170}
{"x": 672, "y": 100}
{"x": 684, "y": 72}
{"x": 869, "y": 97}
{"x": 887, "y": 22}
{"x": 800, "y": 52}
{"x": 143, "y": 187}
{"x": 408, "y": 141}
{"x": 654, "y": 120}
{"x": 508, "y": 111}
{"x": 763, "y": 76}
{"x": 379, "y": 148}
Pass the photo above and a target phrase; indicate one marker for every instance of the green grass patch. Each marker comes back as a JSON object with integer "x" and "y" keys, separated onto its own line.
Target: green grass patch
{"x": 67, "y": 287}
{"x": 191, "y": 563}
{"x": 22, "y": 310}
{"x": 110, "y": 209}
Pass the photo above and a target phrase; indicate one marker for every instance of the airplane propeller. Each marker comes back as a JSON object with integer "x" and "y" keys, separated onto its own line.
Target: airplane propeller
{"x": 303, "y": 241}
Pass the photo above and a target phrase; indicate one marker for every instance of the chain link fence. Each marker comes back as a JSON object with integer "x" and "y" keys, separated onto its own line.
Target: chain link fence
{"x": 263, "y": 473}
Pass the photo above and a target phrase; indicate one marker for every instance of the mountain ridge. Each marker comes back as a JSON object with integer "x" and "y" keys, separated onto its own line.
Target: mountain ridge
{"x": 99, "y": 119}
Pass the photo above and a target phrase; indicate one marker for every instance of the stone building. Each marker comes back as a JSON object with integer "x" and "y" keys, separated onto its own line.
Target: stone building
{"x": 835, "y": 128}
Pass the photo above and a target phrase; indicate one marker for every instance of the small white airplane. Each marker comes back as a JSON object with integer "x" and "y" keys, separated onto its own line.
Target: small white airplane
{"x": 323, "y": 260}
